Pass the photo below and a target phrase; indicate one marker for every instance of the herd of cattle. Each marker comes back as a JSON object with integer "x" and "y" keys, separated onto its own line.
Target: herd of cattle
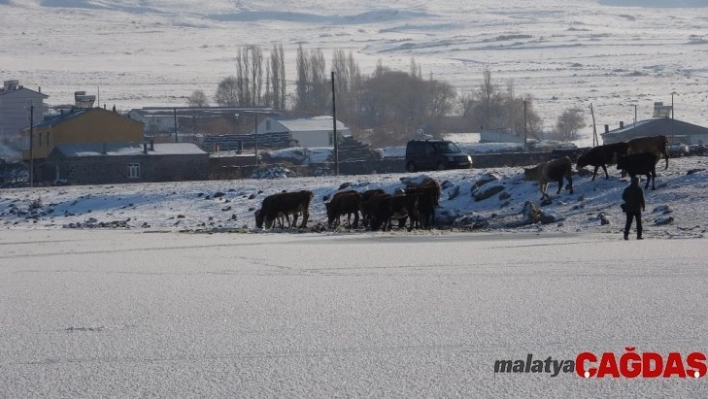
{"x": 635, "y": 157}
{"x": 378, "y": 209}
{"x": 417, "y": 202}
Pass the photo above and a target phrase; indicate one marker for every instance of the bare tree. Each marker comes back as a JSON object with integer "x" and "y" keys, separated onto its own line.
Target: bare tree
{"x": 303, "y": 95}
{"x": 256, "y": 75}
{"x": 268, "y": 96}
{"x": 347, "y": 83}
{"x": 277, "y": 77}
{"x": 319, "y": 83}
{"x": 242, "y": 76}
{"x": 227, "y": 94}
{"x": 198, "y": 99}
{"x": 488, "y": 95}
{"x": 570, "y": 122}
{"x": 467, "y": 104}
{"x": 281, "y": 75}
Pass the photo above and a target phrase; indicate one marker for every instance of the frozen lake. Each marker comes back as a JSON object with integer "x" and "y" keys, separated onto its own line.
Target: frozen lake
{"x": 136, "y": 314}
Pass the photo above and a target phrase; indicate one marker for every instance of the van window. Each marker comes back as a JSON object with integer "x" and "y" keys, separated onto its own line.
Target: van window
{"x": 447, "y": 147}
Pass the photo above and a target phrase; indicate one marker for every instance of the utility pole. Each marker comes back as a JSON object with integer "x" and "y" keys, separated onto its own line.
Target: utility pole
{"x": 31, "y": 145}
{"x": 334, "y": 124}
{"x": 635, "y": 116}
{"x": 255, "y": 138}
{"x": 174, "y": 110}
{"x": 595, "y": 139}
{"x": 526, "y": 133}
{"x": 672, "y": 117}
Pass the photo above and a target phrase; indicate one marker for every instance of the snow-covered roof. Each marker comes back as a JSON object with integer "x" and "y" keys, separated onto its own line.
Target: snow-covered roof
{"x": 20, "y": 90}
{"x": 462, "y": 138}
{"x": 310, "y": 124}
{"x": 126, "y": 149}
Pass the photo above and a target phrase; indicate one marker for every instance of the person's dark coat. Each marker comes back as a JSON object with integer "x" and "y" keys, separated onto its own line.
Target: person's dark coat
{"x": 633, "y": 196}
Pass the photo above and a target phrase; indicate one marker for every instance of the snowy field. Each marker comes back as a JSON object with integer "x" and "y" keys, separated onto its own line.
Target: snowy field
{"x": 137, "y": 314}
{"x": 228, "y": 205}
{"x": 613, "y": 54}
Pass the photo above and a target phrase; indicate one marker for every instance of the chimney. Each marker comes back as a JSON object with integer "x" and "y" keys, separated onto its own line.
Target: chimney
{"x": 39, "y": 89}
{"x": 621, "y": 124}
{"x": 145, "y": 148}
{"x": 152, "y": 145}
{"x": 607, "y": 128}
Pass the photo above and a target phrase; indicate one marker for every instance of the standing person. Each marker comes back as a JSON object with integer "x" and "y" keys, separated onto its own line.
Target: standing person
{"x": 633, "y": 197}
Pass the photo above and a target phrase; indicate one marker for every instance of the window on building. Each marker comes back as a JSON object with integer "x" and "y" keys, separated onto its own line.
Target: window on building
{"x": 133, "y": 170}
{"x": 331, "y": 138}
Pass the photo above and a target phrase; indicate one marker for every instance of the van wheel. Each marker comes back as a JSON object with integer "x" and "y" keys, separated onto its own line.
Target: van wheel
{"x": 441, "y": 166}
{"x": 410, "y": 167}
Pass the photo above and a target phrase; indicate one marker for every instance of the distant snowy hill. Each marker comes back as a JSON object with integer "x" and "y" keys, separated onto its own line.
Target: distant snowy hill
{"x": 571, "y": 53}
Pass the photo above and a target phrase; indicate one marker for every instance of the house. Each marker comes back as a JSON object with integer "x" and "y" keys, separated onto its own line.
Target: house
{"x": 160, "y": 120}
{"x": 15, "y": 103}
{"x": 104, "y": 163}
{"x": 675, "y": 130}
{"x": 80, "y": 126}
{"x": 315, "y": 131}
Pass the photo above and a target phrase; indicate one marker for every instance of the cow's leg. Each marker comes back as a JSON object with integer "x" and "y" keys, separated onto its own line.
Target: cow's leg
{"x": 356, "y": 219}
{"x": 594, "y": 174}
{"x": 402, "y": 222}
{"x": 569, "y": 177}
{"x": 607, "y": 175}
{"x": 305, "y": 217}
{"x": 651, "y": 176}
{"x": 543, "y": 187}
{"x": 666, "y": 155}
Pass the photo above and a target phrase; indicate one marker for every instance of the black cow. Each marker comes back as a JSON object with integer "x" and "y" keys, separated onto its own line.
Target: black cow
{"x": 640, "y": 164}
{"x": 602, "y": 156}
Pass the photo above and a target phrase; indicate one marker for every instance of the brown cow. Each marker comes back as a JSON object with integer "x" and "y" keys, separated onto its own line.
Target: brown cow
{"x": 426, "y": 198}
{"x": 385, "y": 208}
{"x": 602, "y": 156}
{"x": 657, "y": 145}
{"x": 343, "y": 202}
{"x": 370, "y": 207}
{"x": 365, "y": 196}
{"x": 553, "y": 170}
{"x": 289, "y": 203}
{"x": 280, "y": 219}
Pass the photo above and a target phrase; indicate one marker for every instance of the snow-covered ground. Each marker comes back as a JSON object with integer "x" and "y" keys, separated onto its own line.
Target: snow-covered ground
{"x": 134, "y": 314}
{"x": 567, "y": 53}
{"x": 230, "y": 204}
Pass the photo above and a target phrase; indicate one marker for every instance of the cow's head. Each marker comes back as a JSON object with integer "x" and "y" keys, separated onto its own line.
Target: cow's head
{"x": 622, "y": 163}
{"x": 582, "y": 162}
{"x": 330, "y": 212}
